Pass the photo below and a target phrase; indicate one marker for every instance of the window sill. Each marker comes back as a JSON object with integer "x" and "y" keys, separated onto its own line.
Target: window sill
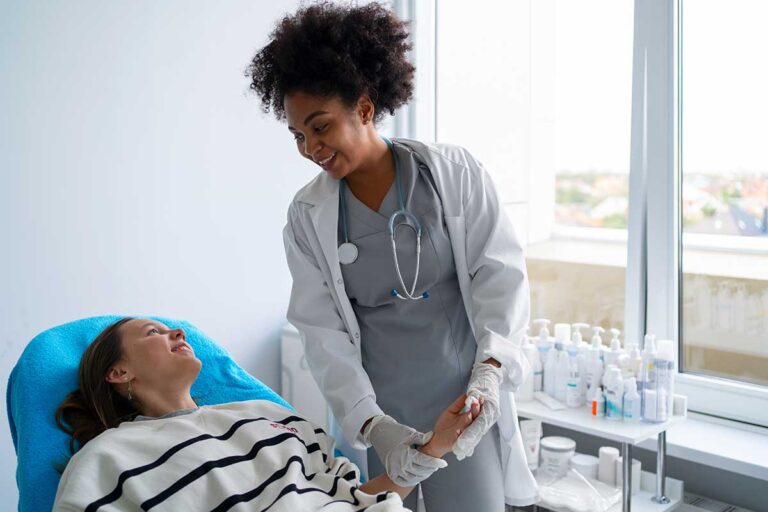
{"x": 723, "y": 444}
{"x": 613, "y": 253}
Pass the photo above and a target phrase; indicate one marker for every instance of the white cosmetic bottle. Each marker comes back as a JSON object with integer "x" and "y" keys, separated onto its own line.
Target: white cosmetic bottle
{"x": 659, "y": 393}
{"x": 614, "y": 393}
{"x": 562, "y": 337}
{"x": 615, "y": 354}
{"x": 572, "y": 392}
{"x": 543, "y": 347}
{"x": 594, "y": 374}
{"x": 647, "y": 381}
{"x": 633, "y": 362}
{"x": 631, "y": 406}
{"x": 583, "y": 349}
{"x": 525, "y": 393}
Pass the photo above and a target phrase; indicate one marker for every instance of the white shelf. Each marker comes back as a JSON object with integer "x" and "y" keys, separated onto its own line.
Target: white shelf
{"x": 641, "y": 501}
{"x": 581, "y": 420}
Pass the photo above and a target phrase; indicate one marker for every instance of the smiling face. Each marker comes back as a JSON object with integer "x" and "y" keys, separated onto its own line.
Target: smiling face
{"x": 333, "y": 135}
{"x": 154, "y": 357}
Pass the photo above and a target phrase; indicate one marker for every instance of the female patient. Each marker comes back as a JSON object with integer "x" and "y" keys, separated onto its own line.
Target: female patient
{"x": 145, "y": 444}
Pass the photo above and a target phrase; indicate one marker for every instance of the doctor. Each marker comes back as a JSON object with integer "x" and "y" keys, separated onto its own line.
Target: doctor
{"x": 409, "y": 285}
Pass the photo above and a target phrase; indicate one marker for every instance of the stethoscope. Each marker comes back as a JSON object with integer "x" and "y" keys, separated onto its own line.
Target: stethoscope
{"x": 348, "y": 251}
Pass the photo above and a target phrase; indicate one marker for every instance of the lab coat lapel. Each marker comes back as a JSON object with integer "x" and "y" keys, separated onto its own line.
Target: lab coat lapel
{"x": 325, "y": 219}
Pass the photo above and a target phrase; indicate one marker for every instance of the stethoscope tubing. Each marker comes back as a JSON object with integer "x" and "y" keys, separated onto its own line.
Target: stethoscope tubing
{"x": 402, "y": 211}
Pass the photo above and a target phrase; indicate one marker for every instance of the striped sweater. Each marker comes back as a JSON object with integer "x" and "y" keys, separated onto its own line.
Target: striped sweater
{"x": 240, "y": 456}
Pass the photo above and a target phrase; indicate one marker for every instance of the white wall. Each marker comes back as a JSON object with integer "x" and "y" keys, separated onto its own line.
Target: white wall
{"x": 138, "y": 175}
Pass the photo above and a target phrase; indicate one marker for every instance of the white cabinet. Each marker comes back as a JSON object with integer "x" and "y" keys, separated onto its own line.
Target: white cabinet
{"x": 297, "y": 384}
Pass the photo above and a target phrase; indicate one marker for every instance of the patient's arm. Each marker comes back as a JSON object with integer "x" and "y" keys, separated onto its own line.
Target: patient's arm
{"x": 448, "y": 428}
{"x": 383, "y": 483}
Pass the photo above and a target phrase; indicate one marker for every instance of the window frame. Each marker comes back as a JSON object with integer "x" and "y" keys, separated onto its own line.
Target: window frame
{"x": 654, "y": 235}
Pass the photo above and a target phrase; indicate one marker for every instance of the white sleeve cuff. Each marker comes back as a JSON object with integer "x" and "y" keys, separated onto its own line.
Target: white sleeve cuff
{"x": 354, "y": 421}
{"x": 514, "y": 365}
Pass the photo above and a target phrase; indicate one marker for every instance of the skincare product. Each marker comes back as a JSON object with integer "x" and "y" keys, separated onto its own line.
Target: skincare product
{"x": 631, "y": 406}
{"x": 530, "y": 431}
{"x": 663, "y": 385}
{"x": 597, "y": 401}
{"x": 562, "y": 337}
{"x": 573, "y": 383}
{"x": 543, "y": 348}
{"x": 615, "y": 354}
{"x": 556, "y": 453}
{"x": 647, "y": 375}
{"x": 583, "y": 349}
{"x": 586, "y": 465}
{"x": 550, "y": 372}
{"x": 594, "y": 374}
{"x": 633, "y": 361}
{"x": 614, "y": 393}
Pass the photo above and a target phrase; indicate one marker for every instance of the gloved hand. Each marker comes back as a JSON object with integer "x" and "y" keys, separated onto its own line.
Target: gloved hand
{"x": 484, "y": 388}
{"x": 393, "y": 442}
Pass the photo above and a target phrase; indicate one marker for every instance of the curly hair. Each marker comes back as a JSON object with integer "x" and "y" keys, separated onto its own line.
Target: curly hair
{"x": 331, "y": 50}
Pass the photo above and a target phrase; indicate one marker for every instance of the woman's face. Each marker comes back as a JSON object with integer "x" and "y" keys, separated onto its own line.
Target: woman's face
{"x": 328, "y": 132}
{"x": 156, "y": 356}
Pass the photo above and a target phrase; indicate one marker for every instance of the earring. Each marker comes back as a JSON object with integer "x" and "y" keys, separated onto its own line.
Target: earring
{"x": 130, "y": 391}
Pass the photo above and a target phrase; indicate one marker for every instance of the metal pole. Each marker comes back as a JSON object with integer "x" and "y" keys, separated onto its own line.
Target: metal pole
{"x": 626, "y": 477}
{"x": 661, "y": 456}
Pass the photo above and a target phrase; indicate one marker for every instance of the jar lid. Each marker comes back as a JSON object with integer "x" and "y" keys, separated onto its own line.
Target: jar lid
{"x": 558, "y": 444}
{"x": 581, "y": 460}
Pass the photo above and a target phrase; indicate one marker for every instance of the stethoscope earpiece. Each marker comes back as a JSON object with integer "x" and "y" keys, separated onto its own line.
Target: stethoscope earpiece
{"x": 348, "y": 251}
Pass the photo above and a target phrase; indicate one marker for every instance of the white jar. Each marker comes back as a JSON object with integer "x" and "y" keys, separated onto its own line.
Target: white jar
{"x": 556, "y": 453}
{"x": 586, "y": 465}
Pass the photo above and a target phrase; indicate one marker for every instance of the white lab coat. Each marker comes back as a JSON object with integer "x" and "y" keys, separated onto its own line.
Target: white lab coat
{"x": 492, "y": 278}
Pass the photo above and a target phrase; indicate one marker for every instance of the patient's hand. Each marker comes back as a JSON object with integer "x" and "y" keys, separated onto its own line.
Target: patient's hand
{"x": 449, "y": 427}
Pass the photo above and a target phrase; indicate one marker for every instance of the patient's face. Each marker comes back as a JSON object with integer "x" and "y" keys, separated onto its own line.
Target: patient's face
{"x": 158, "y": 356}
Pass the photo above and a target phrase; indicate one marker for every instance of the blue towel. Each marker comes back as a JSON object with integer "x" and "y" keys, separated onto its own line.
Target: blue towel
{"x": 47, "y": 371}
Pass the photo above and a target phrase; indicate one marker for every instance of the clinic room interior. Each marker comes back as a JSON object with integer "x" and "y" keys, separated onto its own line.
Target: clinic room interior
{"x": 424, "y": 255}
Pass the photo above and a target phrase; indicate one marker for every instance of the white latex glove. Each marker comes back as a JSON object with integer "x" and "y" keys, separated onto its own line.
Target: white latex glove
{"x": 483, "y": 384}
{"x": 393, "y": 442}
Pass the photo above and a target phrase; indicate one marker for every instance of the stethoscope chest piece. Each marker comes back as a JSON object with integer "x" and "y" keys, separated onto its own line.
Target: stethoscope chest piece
{"x": 347, "y": 253}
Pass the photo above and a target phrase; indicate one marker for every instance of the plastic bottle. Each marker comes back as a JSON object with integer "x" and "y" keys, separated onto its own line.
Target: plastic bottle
{"x": 615, "y": 354}
{"x": 631, "y": 406}
{"x": 525, "y": 393}
{"x": 572, "y": 391}
{"x": 663, "y": 385}
{"x": 614, "y": 393}
{"x": 647, "y": 381}
{"x": 597, "y": 401}
{"x": 633, "y": 361}
{"x": 582, "y": 347}
{"x": 594, "y": 373}
{"x": 550, "y": 372}
{"x": 543, "y": 348}
{"x": 562, "y": 337}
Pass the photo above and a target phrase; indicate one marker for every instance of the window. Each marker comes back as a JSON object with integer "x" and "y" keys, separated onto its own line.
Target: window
{"x": 528, "y": 91}
{"x": 724, "y": 190}
{"x": 626, "y": 142}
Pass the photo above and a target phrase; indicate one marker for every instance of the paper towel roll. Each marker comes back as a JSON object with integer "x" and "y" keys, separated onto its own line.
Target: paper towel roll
{"x": 606, "y": 469}
{"x": 636, "y": 474}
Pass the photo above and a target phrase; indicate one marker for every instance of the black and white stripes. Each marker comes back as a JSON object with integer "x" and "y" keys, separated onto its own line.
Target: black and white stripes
{"x": 253, "y": 455}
